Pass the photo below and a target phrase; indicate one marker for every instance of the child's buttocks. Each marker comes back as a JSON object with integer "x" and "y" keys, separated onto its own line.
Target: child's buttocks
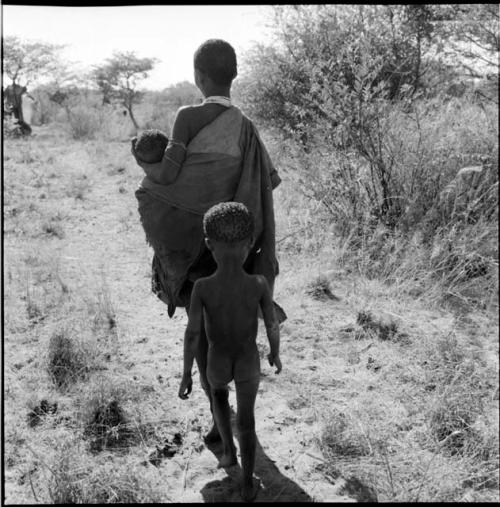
{"x": 240, "y": 366}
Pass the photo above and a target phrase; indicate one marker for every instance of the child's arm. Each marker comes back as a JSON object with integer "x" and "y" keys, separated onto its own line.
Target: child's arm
{"x": 271, "y": 322}
{"x": 191, "y": 337}
{"x": 167, "y": 170}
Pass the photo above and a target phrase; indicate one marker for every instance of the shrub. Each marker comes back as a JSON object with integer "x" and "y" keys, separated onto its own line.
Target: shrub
{"x": 106, "y": 423}
{"x": 84, "y": 122}
{"x": 67, "y": 359}
{"x": 340, "y": 437}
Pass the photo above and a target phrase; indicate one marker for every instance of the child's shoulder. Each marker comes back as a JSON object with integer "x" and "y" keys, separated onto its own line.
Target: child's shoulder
{"x": 204, "y": 283}
{"x": 259, "y": 281}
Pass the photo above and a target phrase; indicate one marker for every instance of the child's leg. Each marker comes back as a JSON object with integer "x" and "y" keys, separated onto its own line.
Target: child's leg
{"x": 201, "y": 360}
{"x": 246, "y": 392}
{"x": 222, "y": 414}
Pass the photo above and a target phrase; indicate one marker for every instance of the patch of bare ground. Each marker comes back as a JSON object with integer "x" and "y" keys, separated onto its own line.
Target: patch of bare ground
{"x": 381, "y": 396}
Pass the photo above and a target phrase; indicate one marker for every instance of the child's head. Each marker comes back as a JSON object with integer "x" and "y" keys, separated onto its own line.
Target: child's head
{"x": 216, "y": 59}
{"x": 229, "y": 228}
{"x": 150, "y": 145}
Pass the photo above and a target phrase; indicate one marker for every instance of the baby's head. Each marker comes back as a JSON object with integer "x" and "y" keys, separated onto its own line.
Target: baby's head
{"x": 150, "y": 145}
{"x": 229, "y": 227}
{"x": 216, "y": 58}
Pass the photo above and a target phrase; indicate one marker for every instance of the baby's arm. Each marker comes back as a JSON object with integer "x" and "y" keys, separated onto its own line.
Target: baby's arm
{"x": 271, "y": 322}
{"x": 166, "y": 171}
{"x": 191, "y": 337}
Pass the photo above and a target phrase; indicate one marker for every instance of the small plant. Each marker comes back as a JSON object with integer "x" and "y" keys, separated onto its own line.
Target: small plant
{"x": 320, "y": 289}
{"x": 65, "y": 482}
{"x": 452, "y": 417}
{"x": 341, "y": 438}
{"x": 75, "y": 477}
{"x": 52, "y": 228}
{"x": 104, "y": 315}
{"x": 385, "y": 329}
{"x": 39, "y": 411}
{"x": 109, "y": 485}
{"x": 66, "y": 359}
{"x": 106, "y": 423}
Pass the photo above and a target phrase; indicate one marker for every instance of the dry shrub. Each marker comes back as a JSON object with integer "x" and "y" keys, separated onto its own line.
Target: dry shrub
{"x": 340, "y": 437}
{"x": 320, "y": 289}
{"x": 77, "y": 478}
{"x": 101, "y": 311}
{"x": 106, "y": 424}
{"x": 110, "y": 485}
{"x": 384, "y": 328}
{"x": 85, "y": 122}
{"x": 67, "y": 358}
{"x": 53, "y": 228}
{"x": 462, "y": 386}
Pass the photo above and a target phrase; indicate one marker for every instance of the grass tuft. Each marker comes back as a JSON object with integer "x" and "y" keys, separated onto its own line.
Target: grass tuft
{"x": 67, "y": 360}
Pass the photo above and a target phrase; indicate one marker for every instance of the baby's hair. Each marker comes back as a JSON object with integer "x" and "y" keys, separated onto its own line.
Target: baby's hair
{"x": 217, "y": 59}
{"x": 150, "y": 145}
{"x": 228, "y": 222}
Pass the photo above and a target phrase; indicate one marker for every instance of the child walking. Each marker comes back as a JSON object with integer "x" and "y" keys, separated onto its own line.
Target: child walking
{"x": 227, "y": 304}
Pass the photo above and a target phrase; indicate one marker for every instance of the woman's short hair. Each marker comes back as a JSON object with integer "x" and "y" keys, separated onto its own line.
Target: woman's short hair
{"x": 217, "y": 59}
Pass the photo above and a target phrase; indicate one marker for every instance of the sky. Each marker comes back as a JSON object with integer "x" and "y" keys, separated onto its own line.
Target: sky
{"x": 168, "y": 32}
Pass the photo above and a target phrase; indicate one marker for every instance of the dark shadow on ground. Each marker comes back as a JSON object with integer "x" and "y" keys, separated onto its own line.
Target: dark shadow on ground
{"x": 274, "y": 486}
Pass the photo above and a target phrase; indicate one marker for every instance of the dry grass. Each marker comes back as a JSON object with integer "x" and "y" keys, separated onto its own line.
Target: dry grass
{"x": 411, "y": 419}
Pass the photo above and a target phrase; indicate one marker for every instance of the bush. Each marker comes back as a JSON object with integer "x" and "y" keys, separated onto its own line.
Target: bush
{"x": 66, "y": 359}
{"x": 85, "y": 123}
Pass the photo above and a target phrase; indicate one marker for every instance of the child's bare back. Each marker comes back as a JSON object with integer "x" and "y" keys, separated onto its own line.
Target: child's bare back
{"x": 227, "y": 304}
{"x": 231, "y": 306}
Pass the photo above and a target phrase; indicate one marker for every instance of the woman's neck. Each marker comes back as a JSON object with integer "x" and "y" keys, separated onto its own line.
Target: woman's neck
{"x": 220, "y": 92}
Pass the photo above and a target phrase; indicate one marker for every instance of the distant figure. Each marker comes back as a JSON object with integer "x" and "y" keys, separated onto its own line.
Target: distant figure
{"x": 19, "y": 104}
{"x": 226, "y": 304}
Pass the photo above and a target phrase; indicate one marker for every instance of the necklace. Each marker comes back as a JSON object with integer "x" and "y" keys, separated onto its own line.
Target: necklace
{"x": 218, "y": 99}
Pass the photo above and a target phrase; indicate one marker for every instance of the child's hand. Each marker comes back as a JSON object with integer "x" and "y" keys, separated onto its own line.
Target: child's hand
{"x": 274, "y": 361}
{"x": 186, "y": 387}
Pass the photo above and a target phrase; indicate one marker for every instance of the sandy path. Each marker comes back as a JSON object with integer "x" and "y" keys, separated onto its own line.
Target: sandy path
{"x": 110, "y": 242}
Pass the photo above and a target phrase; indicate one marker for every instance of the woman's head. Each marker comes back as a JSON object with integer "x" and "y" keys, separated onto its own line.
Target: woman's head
{"x": 216, "y": 59}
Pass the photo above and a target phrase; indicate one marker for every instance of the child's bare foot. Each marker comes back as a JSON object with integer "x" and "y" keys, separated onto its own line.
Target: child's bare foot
{"x": 228, "y": 459}
{"x": 212, "y": 436}
{"x": 249, "y": 491}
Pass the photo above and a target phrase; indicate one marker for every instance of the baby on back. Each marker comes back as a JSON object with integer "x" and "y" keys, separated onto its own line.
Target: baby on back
{"x": 150, "y": 146}
{"x": 215, "y": 69}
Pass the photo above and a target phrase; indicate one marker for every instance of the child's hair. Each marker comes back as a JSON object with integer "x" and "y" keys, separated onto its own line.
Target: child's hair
{"x": 150, "y": 145}
{"x": 228, "y": 222}
{"x": 216, "y": 58}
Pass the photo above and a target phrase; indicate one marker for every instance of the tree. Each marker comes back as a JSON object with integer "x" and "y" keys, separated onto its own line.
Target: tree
{"x": 472, "y": 31}
{"x": 182, "y": 93}
{"x": 25, "y": 61}
{"x": 119, "y": 77}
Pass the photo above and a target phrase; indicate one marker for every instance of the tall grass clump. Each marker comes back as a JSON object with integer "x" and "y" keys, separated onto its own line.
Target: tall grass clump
{"x": 106, "y": 422}
{"x": 75, "y": 477}
{"x": 67, "y": 359}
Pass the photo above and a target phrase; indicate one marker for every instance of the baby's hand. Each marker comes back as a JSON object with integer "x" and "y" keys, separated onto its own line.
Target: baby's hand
{"x": 274, "y": 361}
{"x": 186, "y": 387}
{"x": 132, "y": 142}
